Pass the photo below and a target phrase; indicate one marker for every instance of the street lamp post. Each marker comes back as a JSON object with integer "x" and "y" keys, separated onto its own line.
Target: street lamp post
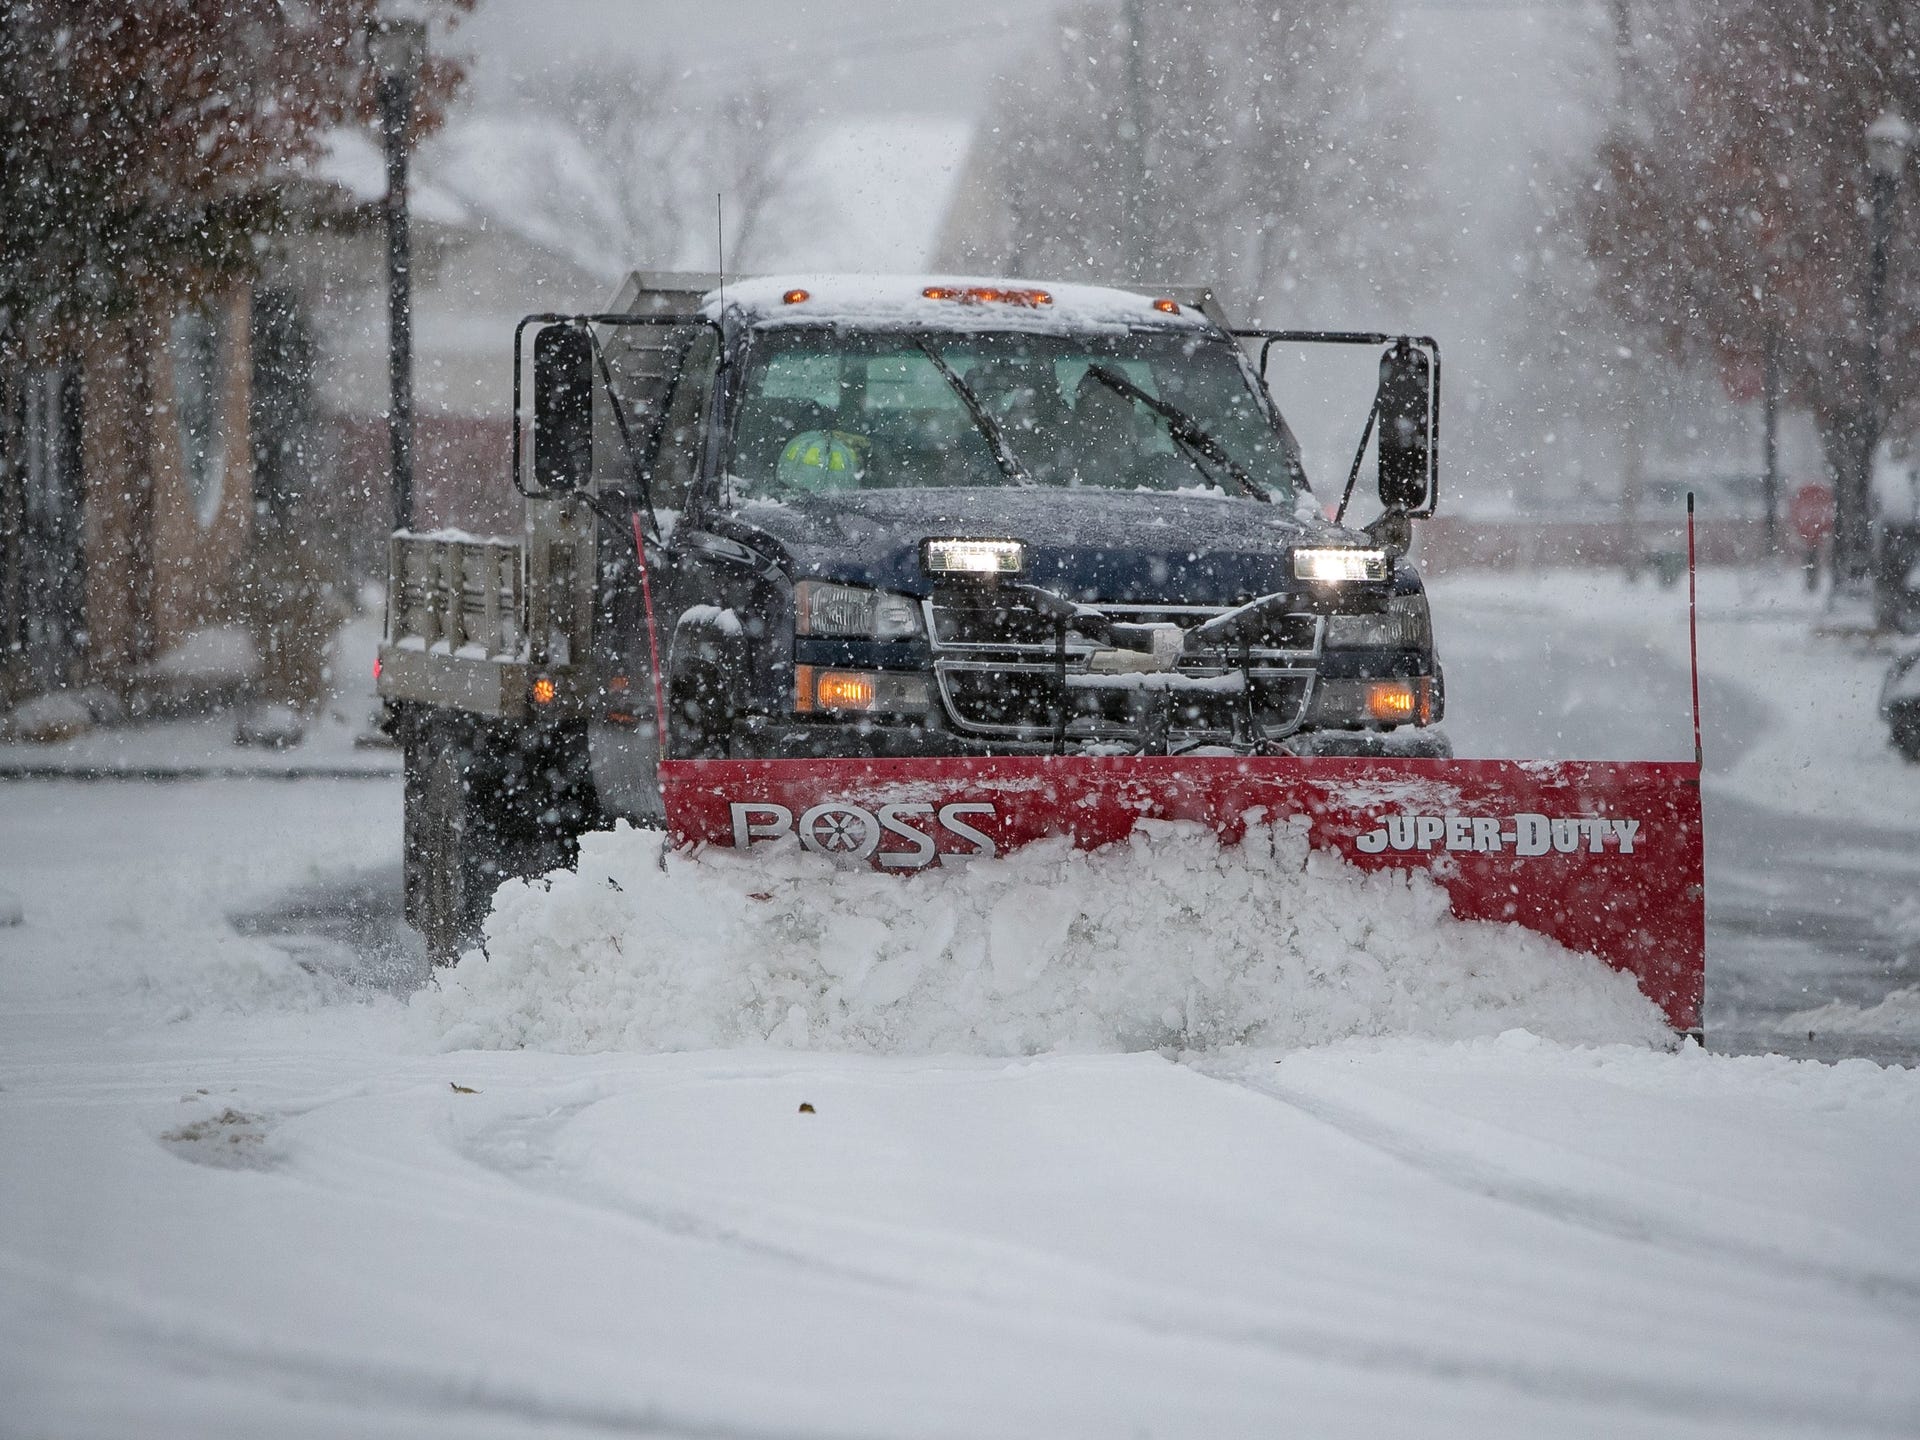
{"x": 1762, "y": 257}
{"x": 397, "y": 44}
{"x": 1133, "y": 132}
{"x": 1889, "y": 141}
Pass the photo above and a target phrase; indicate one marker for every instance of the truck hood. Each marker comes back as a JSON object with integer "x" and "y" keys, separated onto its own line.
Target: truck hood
{"x": 1143, "y": 546}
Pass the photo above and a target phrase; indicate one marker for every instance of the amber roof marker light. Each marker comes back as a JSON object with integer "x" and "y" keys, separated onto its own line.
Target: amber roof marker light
{"x": 988, "y": 295}
{"x": 1166, "y": 306}
{"x": 796, "y": 297}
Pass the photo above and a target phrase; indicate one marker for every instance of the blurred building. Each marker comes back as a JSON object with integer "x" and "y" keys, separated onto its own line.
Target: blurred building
{"x": 172, "y": 477}
{"x": 126, "y": 491}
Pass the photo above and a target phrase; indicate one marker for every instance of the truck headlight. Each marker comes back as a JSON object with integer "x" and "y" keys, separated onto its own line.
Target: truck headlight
{"x": 1404, "y": 625}
{"x": 854, "y": 612}
{"x": 980, "y": 559}
{"x": 1332, "y": 565}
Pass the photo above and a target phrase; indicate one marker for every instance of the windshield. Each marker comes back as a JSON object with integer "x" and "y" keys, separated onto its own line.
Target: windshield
{"x": 823, "y": 411}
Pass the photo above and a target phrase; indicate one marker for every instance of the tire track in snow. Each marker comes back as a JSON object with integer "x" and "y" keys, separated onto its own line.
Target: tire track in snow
{"x": 1025, "y": 1281}
{"x": 1598, "y": 1214}
{"x": 520, "y": 1151}
{"x": 189, "y": 1340}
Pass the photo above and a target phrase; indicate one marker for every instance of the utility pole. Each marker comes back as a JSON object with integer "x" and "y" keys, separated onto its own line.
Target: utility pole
{"x": 1134, "y": 128}
{"x": 1889, "y": 139}
{"x": 1633, "y": 397}
{"x": 397, "y": 46}
{"x": 1850, "y": 522}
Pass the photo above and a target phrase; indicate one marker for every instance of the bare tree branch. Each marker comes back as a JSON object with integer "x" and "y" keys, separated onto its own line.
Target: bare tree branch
{"x": 637, "y": 152}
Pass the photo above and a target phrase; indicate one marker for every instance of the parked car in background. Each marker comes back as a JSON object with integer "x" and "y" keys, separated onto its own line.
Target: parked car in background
{"x": 1900, "y": 701}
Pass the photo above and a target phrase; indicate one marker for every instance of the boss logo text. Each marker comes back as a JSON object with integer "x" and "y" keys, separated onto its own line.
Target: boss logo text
{"x": 852, "y": 832}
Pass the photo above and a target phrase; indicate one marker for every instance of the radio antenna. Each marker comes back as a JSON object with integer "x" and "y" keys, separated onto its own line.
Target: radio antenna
{"x": 720, "y": 247}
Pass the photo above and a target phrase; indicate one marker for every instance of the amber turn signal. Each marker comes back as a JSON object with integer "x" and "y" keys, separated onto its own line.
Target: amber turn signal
{"x": 1392, "y": 700}
{"x": 815, "y": 689}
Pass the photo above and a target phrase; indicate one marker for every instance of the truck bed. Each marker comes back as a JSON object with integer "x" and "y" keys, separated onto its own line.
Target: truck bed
{"x": 462, "y": 630}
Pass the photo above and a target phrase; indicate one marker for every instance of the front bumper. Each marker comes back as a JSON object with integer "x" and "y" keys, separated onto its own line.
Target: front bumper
{"x": 1408, "y": 742}
{"x": 1017, "y": 671}
{"x": 1335, "y": 722}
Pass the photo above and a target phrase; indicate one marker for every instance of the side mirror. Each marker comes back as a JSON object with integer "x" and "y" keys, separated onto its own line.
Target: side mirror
{"x": 562, "y": 408}
{"x": 1407, "y": 423}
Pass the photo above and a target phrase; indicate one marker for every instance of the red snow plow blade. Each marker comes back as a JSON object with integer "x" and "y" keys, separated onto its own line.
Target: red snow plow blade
{"x": 1604, "y": 858}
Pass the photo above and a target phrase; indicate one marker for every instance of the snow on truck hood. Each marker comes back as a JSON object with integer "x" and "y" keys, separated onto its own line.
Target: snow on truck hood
{"x": 899, "y": 300}
{"x": 1099, "y": 544}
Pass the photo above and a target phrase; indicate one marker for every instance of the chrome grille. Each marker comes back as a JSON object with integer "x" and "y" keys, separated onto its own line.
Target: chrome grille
{"x": 999, "y": 676}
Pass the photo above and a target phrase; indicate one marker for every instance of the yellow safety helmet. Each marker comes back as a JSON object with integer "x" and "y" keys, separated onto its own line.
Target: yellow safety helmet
{"x": 822, "y": 460}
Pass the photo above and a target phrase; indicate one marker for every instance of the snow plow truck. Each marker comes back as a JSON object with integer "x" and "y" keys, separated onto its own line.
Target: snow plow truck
{"x": 911, "y": 572}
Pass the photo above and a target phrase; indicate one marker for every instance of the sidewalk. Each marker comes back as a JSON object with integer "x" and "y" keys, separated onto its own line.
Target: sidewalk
{"x": 203, "y": 746}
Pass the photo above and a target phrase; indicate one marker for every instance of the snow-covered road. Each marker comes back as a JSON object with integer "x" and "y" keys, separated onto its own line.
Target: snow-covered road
{"x": 290, "y": 1224}
{"x": 248, "y": 1191}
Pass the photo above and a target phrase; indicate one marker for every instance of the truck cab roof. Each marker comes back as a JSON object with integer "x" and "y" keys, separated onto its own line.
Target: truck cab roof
{"x": 921, "y": 302}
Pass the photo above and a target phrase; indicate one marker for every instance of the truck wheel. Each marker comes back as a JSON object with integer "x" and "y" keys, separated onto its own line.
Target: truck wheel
{"x": 1906, "y": 733}
{"x": 542, "y": 799}
{"x": 701, "y": 709}
{"x": 414, "y": 843}
{"x": 450, "y": 843}
{"x": 1886, "y": 604}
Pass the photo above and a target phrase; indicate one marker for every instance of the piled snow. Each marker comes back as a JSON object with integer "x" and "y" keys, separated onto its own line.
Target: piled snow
{"x": 1897, "y": 1014}
{"x": 217, "y": 653}
{"x": 49, "y": 719}
{"x": 332, "y": 740}
{"x": 1172, "y": 941}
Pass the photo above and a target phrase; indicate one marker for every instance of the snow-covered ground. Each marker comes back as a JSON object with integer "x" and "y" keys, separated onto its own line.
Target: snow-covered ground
{"x": 334, "y": 740}
{"x": 254, "y": 1188}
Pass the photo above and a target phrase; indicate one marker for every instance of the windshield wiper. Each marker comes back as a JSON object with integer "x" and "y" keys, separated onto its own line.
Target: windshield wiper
{"x": 1182, "y": 427}
{"x": 1003, "y": 455}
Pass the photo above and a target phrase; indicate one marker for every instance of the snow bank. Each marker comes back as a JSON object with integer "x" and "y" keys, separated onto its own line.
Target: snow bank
{"x": 124, "y": 893}
{"x": 1896, "y": 1015}
{"x": 1170, "y": 942}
